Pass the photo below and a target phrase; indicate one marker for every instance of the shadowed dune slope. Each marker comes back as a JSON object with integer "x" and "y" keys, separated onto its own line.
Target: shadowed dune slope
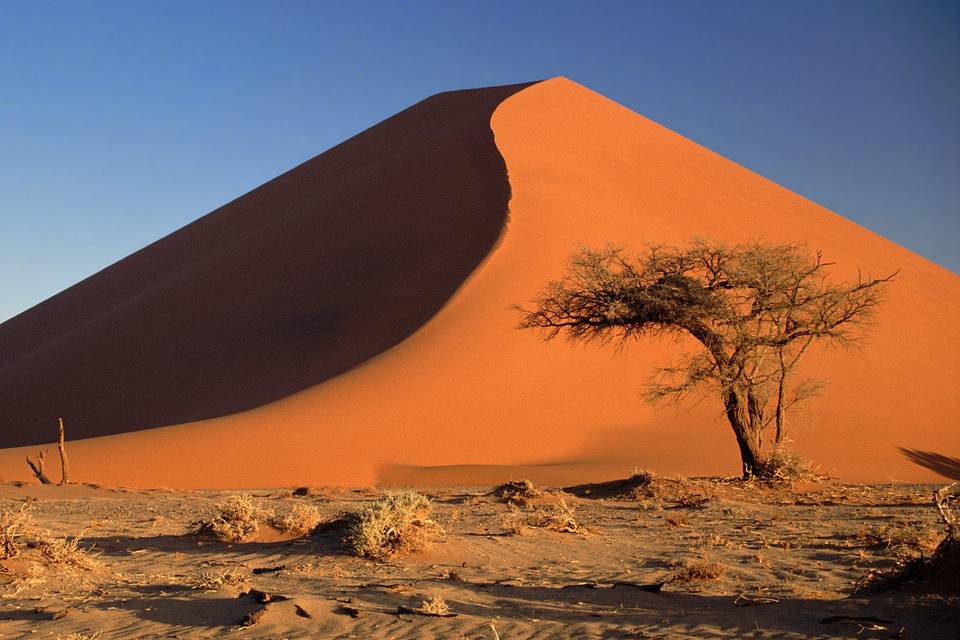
{"x": 467, "y": 394}
{"x": 301, "y": 279}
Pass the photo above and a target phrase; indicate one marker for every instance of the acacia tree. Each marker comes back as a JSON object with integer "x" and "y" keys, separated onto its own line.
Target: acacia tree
{"x": 754, "y": 309}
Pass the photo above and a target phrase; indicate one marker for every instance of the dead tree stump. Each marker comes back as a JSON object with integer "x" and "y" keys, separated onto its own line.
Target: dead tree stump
{"x": 64, "y": 463}
{"x": 37, "y": 468}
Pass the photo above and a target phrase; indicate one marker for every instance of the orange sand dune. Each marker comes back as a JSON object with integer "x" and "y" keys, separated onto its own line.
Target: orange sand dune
{"x": 334, "y": 263}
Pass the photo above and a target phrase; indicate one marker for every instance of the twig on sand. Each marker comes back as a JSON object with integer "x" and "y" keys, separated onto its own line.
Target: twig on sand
{"x": 743, "y": 600}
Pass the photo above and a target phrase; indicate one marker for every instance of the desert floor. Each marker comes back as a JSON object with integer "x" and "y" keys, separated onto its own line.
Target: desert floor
{"x": 788, "y": 559}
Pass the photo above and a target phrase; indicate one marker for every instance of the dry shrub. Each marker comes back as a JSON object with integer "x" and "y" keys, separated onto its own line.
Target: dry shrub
{"x": 18, "y": 531}
{"x": 65, "y": 551}
{"x": 238, "y": 519}
{"x": 13, "y": 524}
{"x": 558, "y": 516}
{"x": 214, "y": 581}
{"x": 691, "y": 500}
{"x": 641, "y": 477}
{"x": 517, "y": 492}
{"x": 698, "y": 571}
{"x": 939, "y": 571}
{"x": 435, "y": 606}
{"x": 396, "y": 524}
{"x": 785, "y": 467}
{"x": 903, "y": 537}
{"x": 298, "y": 521}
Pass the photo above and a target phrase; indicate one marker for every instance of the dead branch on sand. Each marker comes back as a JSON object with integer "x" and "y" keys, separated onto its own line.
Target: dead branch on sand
{"x": 36, "y": 466}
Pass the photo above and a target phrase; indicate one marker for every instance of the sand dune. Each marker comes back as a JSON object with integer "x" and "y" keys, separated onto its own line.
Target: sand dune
{"x": 372, "y": 305}
{"x": 340, "y": 258}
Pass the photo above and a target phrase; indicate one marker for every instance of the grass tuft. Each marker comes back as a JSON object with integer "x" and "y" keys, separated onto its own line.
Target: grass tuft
{"x": 517, "y": 492}
{"x": 238, "y": 518}
{"x": 435, "y": 606}
{"x": 65, "y": 552}
{"x": 397, "y": 524}
{"x": 900, "y": 537}
{"x": 558, "y": 516}
{"x": 214, "y": 581}
{"x": 784, "y": 467}
{"x": 698, "y": 571}
{"x": 298, "y": 521}
{"x": 13, "y": 524}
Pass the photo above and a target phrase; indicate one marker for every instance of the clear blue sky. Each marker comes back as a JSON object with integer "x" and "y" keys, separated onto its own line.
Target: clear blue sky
{"x": 122, "y": 121}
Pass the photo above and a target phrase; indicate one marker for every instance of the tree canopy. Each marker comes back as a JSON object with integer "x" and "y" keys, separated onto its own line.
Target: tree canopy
{"x": 753, "y": 308}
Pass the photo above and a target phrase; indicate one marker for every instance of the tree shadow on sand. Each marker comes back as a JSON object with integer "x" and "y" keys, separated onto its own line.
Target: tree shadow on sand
{"x": 322, "y": 544}
{"x": 936, "y": 462}
{"x": 689, "y": 614}
{"x": 187, "y": 609}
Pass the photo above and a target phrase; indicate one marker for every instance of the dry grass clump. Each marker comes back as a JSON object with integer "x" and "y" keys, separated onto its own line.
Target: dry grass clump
{"x": 517, "y": 492}
{"x": 784, "y": 467}
{"x": 298, "y": 521}
{"x": 691, "y": 500}
{"x": 214, "y": 581}
{"x": 939, "y": 571}
{"x": 17, "y": 531}
{"x": 902, "y": 537}
{"x": 13, "y": 524}
{"x": 641, "y": 477}
{"x": 65, "y": 552}
{"x": 557, "y": 516}
{"x": 76, "y": 635}
{"x": 697, "y": 571}
{"x": 435, "y": 606}
{"x": 238, "y": 518}
{"x": 396, "y": 524}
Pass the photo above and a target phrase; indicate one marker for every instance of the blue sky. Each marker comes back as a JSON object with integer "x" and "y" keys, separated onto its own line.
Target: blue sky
{"x": 122, "y": 121}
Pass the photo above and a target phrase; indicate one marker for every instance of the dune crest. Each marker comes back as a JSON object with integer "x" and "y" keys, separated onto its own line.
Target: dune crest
{"x": 465, "y": 390}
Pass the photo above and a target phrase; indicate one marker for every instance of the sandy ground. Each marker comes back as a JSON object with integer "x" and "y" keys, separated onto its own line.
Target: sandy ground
{"x": 790, "y": 560}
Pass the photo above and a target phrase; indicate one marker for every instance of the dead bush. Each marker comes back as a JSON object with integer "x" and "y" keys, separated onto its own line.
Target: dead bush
{"x": 901, "y": 537}
{"x": 435, "y": 606}
{"x": 699, "y": 570}
{"x": 13, "y": 524}
{"x": 214, "y": 581}
{"x": 396, "y": 524}
{"x": 298, "y": 521}
{"x": 783, "y": 466}
{"x": 691, "y": 500}
{"x": 65, "y": 552}
{"x": 517, "y": 492}
{"x": 238, "y": 519}
{"x": 557, "y": 516}
{"x": 938, "y": 572}
{"x": 17, "y": 532}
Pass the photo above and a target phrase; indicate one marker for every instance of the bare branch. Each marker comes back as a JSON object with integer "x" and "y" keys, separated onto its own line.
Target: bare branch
{"x": 755, "y": 309}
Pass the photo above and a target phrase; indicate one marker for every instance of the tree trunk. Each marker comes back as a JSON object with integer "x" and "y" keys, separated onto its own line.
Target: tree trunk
{"x": 748, "y": 436}
{"x": 64, "y": 463}
{"x": 781, "y": 384}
